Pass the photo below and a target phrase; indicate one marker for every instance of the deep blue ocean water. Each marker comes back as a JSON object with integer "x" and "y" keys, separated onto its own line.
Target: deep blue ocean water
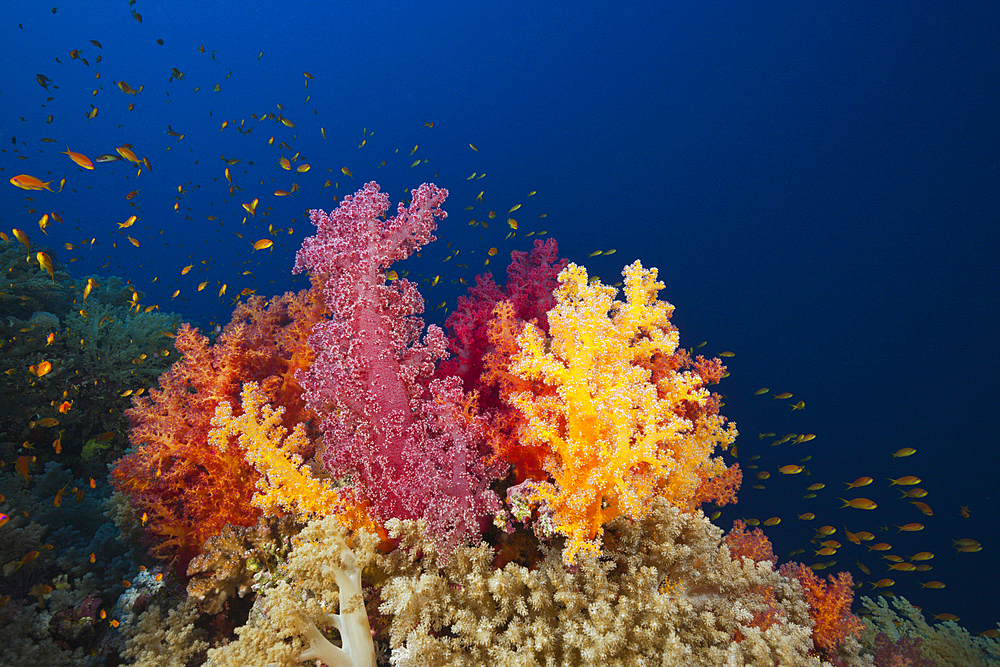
{"x": 817, "y": 185}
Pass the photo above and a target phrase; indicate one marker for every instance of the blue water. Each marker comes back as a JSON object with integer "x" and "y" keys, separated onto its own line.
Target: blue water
{"x": 818, "y": 187}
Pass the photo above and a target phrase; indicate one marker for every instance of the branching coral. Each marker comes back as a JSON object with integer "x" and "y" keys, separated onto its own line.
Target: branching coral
{"x": 665, "y": 592}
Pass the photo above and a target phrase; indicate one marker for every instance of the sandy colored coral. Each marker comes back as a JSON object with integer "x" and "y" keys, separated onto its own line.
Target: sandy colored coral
{"x": 616, "y": 437}
{"x": 664, "y": 592}
{"x": 293, "y": 620}
{"x": 230, "y": 560}
{"x": 165, "y": 637}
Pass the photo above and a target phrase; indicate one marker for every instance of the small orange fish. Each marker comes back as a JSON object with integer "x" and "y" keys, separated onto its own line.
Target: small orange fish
{"x": 26, "y": 182}
{"x": 881, "y": 546}
{"x": 859, "y": 482}
{"x": 910, "y": 527}
{"x": 65, "y": 406}
{"x": 808, "y": 516}
{"x": 46, "y": 263}
{"x": 903, "y": 567}
{"x": 263, "y": 244}
{"x": 44, "y": 368}
{"x": 946, "y": 617}
{"x": 130, "y": 196}
{"x": 923, "y": 507}
{"x": 859, "y": 503}
{"x": 126, "y": 152}
{"x": 346, "y": 172}
{"x": 79, "y": 158}
{"x": 790, "y": 470}
{"x": 931, "y": 584}
{"x": 906, "y": 481}
{"x": 773, "y": 521}
{"x": 22, "y": 237}
{"x": 782, "y": 396}
{"x": 905, "y": 451}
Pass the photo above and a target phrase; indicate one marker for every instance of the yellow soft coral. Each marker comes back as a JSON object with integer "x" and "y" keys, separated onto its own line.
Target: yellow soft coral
{"x": 616, "y": 437}
{"x": 287, "y": 486}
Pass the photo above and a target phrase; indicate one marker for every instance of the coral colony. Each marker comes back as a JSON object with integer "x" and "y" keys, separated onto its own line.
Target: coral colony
{"x": 522, "y": 487}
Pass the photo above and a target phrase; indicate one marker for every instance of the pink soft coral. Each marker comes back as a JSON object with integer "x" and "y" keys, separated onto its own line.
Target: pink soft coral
{"x": 412, "y": 444}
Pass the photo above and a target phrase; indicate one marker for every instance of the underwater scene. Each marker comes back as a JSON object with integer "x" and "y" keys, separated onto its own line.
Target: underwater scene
{"x": 421, "y": 334}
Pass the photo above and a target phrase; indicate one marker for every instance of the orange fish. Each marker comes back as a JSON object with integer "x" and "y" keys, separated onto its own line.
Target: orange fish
{"x": 906, "y": 481}
{"x": 859, "y": 482}
{"x": 46, "y": 262}
{"x": 126, "y": 152}
{"x": 22, "y": 237}
{"x": 26, "y": 182}
{"x": 21, "y": 466}
{"x": 923, "y": 507}
{"x": 905, "y": 451}
{"x": 790, "y": 470}
{"x": 263, "y": 244}
{"x": 910, "y": 527}
{"x": 43, "y": 368}
{"x": 3, "y": 519}
{"x": 859, "y": 503}
{"x": 79, "y": 158}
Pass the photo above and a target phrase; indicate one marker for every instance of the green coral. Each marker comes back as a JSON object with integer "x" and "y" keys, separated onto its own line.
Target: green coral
{"x": 102, "y": 349}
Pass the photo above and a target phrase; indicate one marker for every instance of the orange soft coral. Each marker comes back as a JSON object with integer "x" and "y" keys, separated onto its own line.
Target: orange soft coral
{"x": 615, "y": 436}
{"x": 829, "y": 607}
{"x": 188, "y": 489}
